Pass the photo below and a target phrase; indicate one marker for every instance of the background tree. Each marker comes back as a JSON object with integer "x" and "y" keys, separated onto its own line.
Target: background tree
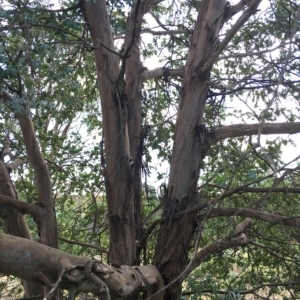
{"x": 234, "y": 224}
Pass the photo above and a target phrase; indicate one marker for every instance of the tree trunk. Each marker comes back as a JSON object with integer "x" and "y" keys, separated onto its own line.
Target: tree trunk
{"x": 122, "y": 127}
{"x": 118, "y": 174}
{"x": 189, "y": 149}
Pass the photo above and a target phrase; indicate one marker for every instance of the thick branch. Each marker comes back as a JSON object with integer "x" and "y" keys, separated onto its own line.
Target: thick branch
{"x": 237, "y": 130}
{"x": 255, "y": 214}
{"x": 31, "y": 261}
{"x": 159, "y": 72}
{"x": 213, "y": 248}
{"x": 20, "y": 206}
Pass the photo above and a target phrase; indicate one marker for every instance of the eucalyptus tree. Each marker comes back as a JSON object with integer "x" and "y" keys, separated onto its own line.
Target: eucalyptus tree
{"x": 225, "y": 76}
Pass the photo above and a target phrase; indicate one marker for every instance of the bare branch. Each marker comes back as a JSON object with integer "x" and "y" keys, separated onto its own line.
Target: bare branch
{"x": 255, "y": 214}
{"x": 158, "y": 72}
{"x": 237, "y": 130}
{"x": 158, "y": 21}
{"x": 155, "y": 2}
{"x": 83, "y": 244}
{"x": 165, "y": 32}
{"x": 238, "y": 7}
{"x": 222, "y": 292}
{"x": 251, "y": 53}
{"x": 17, "y": 162}
{"x": 288, "y": 190}
{"x": 168, "y": 120}
{"x": 218, "y": 198}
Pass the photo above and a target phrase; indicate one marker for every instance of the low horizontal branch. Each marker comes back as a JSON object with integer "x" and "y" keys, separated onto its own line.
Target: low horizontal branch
{"x": 20, "y": 206}
{"x": 30, "y": 260}
{"x": 237, "y": 130}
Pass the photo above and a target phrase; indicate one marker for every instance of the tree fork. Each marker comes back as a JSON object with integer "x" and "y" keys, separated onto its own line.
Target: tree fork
{"x": 122, "y": 126}
{"x": 188, "y": 150}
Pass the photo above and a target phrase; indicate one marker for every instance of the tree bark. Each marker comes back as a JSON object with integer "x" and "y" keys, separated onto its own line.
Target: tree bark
{"x": 120, "y": 93}
{"x": 46, "y": 224}
{"x": 15, "y": 224}
{"x": 36, "y": 262}
{"x": 188, "y": 150}
{"x": 120, "y": 196}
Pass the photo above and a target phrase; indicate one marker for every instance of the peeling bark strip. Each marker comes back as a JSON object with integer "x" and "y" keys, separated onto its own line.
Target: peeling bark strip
{"x": 32, "y": 256}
